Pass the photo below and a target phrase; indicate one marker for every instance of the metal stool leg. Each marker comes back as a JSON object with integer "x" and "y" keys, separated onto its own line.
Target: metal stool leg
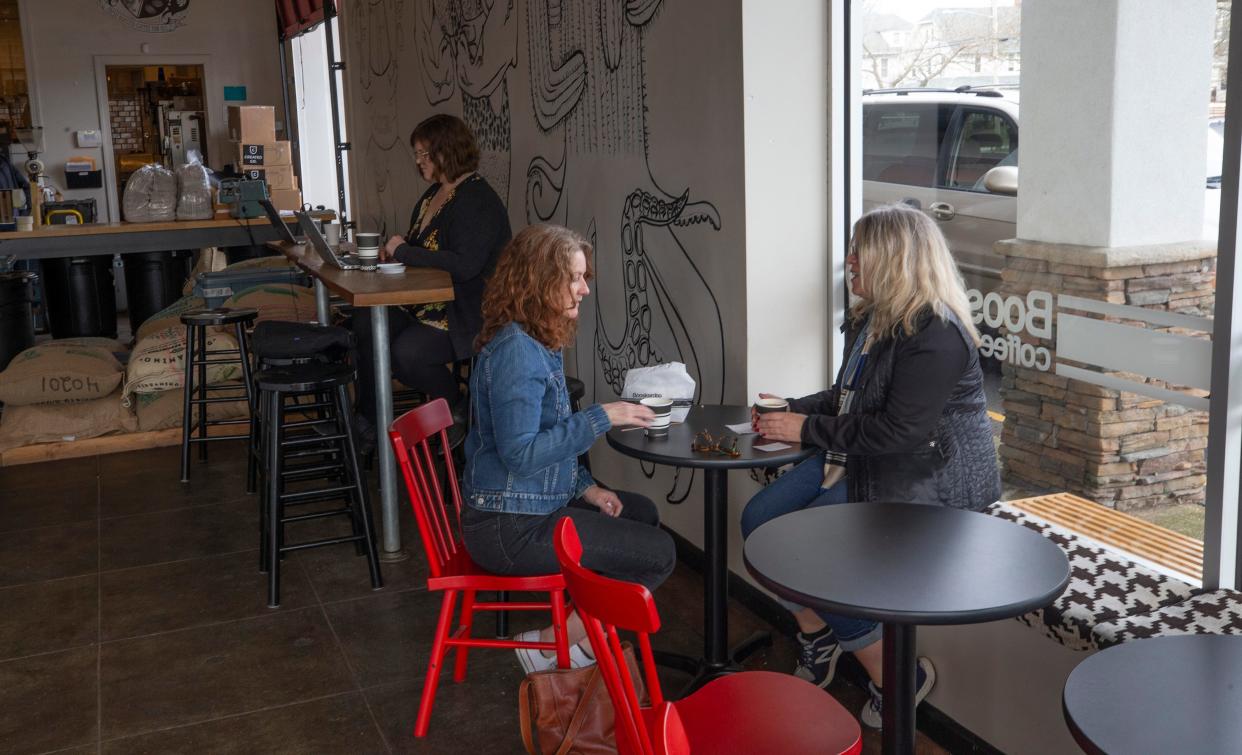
{"x": 360, "y": 497}
{"x": 243, "y": 349}
{"x": 187, "y": 407}
{"x": 259, "y": 435}
{"x": 202, "y": 392}
{"x": 274, "y": 508}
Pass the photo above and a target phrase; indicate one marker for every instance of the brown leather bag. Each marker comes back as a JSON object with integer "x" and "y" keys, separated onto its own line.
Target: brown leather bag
{"x": 568, "y": 711}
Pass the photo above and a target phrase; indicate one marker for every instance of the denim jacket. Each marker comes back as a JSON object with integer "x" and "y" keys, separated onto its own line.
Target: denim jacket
{"x": 523, "y": 447}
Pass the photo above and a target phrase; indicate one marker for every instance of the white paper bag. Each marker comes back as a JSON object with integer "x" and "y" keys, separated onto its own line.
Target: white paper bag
{"x": 668, "y": 380}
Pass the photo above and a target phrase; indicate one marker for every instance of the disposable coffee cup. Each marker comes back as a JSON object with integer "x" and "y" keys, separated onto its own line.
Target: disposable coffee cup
{"x": 332, "y": 233}
{"x": 367, "y": 243}
{"x": 765, "y": 405}
{"x": 663, "y": 409}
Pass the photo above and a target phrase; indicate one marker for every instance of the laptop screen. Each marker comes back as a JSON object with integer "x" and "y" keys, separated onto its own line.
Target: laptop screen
{"x": 278, "y": 223}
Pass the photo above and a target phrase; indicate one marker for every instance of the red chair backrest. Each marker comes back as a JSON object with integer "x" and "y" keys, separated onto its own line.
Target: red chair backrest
{"x": 409, "y": 433}
{"x": 606, "y": 605}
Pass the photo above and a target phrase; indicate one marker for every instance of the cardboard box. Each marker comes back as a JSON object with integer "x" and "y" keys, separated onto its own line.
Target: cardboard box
{"x": 286, "y": 199}
{"x": 252, "y": 124}
{"x": 277, "y": 176}
{"x": 262, "y": 155}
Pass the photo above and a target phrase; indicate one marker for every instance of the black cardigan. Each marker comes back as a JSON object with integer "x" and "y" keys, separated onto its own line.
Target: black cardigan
{"x": 918, "y": 428}
{"x": 467, "y": 235}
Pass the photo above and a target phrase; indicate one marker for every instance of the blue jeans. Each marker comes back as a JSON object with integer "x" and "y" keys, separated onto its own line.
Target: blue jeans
{"x": 798, "y": 489}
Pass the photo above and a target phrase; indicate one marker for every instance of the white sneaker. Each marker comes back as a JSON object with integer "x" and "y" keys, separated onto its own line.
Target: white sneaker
{"x": 533, "y": 659}
{"x": 578, "y": 657}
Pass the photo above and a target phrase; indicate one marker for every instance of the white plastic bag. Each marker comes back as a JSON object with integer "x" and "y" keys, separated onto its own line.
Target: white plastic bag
{"x": 668, "y": 380}
{"x": 194, "y": 190}
{"x": 150, "y": 195}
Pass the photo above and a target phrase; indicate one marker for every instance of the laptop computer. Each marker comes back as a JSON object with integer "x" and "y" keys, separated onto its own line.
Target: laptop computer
{"x": 320, "y": 245}
{"x": 277, "y": 222}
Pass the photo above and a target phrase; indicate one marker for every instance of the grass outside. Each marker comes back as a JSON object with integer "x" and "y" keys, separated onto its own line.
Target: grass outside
{"x": 1186, "y": 519}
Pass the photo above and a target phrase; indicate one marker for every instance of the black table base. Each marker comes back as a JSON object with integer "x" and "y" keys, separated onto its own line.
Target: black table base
{"x": 719, "y": 659}
{"x": 905, "y": 565}
{"x": 900, "y": 677}
{"x": 703, "y": 671}
{"x": 676, "y": 450}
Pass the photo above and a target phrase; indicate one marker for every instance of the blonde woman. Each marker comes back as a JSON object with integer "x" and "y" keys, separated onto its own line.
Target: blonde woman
{"x": 906, "y": 419}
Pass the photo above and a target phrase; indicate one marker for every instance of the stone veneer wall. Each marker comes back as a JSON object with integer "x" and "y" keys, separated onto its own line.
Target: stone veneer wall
{"x": 1124, "y": 450}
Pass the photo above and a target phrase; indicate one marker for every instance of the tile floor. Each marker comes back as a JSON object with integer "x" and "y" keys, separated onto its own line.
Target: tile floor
{"x": 134, "y": 620}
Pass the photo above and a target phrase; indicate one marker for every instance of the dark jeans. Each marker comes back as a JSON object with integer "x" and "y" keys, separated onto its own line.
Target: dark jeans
{"x": 631, "y": 547}
{"x": 421, "y": 357}
{"x": 798, "y": 489}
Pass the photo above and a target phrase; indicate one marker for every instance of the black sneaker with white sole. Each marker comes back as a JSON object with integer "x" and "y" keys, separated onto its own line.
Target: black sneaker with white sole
{"x": 817, "y": 663}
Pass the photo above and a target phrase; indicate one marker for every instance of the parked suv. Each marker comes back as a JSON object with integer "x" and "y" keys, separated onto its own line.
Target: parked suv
{"x": 953, "y": 153}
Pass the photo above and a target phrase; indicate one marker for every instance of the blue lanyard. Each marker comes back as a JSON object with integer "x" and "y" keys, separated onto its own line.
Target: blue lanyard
{"x": 857, "y": 360}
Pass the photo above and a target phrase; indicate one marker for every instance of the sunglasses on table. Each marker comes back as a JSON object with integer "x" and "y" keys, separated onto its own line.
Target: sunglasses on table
{"x": 705, "y": 443}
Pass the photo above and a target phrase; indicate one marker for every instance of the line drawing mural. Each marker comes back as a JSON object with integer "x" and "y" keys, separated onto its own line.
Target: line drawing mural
{"x": 591, "y": 86}
{"x": 468, "y": 47}
{"x": 378, "y": 38}
{"x": 575, "y": 125}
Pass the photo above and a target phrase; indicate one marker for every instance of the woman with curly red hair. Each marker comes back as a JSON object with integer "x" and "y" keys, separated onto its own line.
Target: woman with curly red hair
{"x": 522, "y": 474}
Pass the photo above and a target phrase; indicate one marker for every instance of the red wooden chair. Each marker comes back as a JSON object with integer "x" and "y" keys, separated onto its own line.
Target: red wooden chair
{"x": 452, "y": 570}
{"x": 749, "y": 712}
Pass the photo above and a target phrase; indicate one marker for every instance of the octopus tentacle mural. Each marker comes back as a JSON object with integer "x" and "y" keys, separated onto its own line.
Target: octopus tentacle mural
{"x": 642, "y": 287}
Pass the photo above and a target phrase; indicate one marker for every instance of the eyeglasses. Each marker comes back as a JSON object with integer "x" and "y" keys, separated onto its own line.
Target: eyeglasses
{"x": 725, "y": 446}
{"x": 421, "y": 154}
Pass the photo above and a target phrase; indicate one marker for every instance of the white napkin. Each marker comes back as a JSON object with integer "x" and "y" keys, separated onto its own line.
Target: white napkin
{"x": 741, "y": 428}
{"x": 772, "y": 447}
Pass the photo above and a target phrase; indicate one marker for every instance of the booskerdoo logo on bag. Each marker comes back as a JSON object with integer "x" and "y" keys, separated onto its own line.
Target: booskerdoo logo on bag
{"x": 154, "y": 16}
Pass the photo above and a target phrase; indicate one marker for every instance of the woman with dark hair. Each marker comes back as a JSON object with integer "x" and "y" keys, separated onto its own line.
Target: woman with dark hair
{"x": 459, "y": 225}
{"x": 522, "y": 474}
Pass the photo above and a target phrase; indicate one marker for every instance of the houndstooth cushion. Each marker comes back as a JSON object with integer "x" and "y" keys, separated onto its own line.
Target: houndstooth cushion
{"x": 1214, "y": 612}
{"x": 1103, "y": 586}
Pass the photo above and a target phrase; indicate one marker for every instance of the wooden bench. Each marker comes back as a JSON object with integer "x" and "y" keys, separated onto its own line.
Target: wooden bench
{"x": 1151, "y": 542}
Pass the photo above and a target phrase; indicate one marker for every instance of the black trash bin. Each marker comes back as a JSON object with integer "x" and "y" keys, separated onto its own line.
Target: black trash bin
{"x": 80, "y": 296}
{"x": 17, "y": 331}
{"x": 153, "y": 280}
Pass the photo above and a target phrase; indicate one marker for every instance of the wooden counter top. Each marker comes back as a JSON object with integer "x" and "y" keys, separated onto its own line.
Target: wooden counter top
{"x": 367, "y": 288}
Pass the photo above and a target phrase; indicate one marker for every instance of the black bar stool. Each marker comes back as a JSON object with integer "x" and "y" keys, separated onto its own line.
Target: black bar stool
{"x": 332, "y": 428}
{"x": 276, "y": 343}
{"x": 197, "y": 360}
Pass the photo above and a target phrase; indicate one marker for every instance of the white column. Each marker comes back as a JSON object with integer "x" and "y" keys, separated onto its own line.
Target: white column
{"x": 1114, "y": 97}
{"x": 785, "y": 83}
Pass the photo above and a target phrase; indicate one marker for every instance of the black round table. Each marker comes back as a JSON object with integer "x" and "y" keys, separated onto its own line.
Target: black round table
{"x": 906, "y": 564}
{"x": 674, "y": 451}
{"x": 1164, "y": 694}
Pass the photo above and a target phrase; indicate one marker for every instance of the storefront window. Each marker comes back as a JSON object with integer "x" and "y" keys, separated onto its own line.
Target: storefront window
{"x": 1097, "y": 365}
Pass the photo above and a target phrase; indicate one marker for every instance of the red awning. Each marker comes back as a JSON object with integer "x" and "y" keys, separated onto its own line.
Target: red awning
{"x": 296, "y": 16}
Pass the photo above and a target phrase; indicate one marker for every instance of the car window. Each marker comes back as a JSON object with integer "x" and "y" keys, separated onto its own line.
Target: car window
{"x": 984, "y": 140}
{"x": 901, "y": 142}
